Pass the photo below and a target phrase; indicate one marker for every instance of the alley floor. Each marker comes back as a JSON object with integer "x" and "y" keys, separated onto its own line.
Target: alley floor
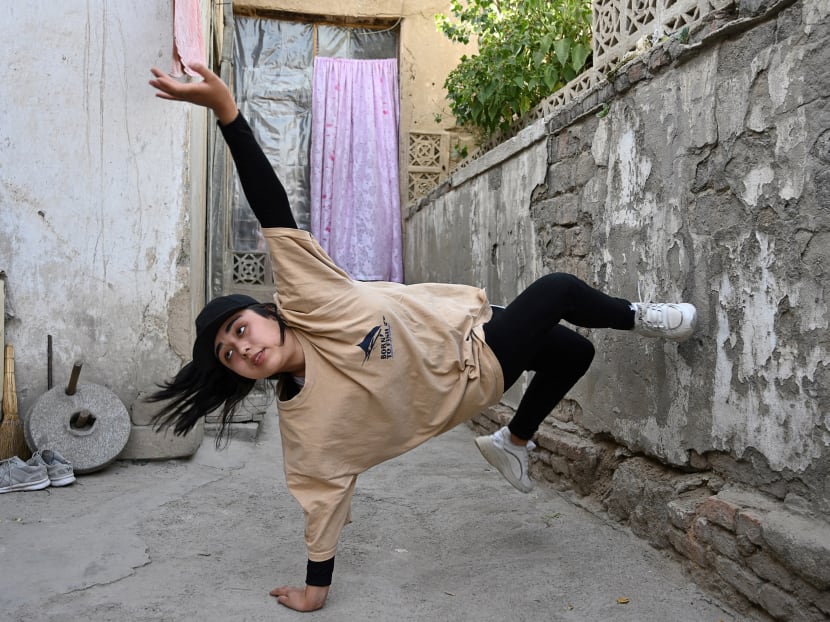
{"x": 437, "y": 535}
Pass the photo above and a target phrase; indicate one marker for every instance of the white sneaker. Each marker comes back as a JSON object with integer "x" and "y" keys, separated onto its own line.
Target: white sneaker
{"x": 674, "y": 321}
{"x": 511, "y": 460}
{"x": 58, "y": 468}
{"x": 17, "y": 475}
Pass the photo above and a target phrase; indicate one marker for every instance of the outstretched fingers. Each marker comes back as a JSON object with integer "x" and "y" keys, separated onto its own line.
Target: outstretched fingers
{"x": 209, "y": 92}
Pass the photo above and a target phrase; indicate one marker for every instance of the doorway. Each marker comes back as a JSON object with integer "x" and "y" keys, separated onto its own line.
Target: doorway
{"x": 272, "y": 78}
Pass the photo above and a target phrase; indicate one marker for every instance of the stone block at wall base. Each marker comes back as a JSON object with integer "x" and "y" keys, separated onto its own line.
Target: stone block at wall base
{"x": 752, "y": 549}
{"x": 145, "y": 443}
{"x": 246, "y": 432}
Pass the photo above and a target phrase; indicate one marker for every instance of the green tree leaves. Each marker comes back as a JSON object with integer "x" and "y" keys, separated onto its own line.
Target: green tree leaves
{"x": 527, "y": 50}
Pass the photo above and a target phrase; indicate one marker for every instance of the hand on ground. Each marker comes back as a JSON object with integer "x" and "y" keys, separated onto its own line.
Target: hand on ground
{"x": 308, "y": 598}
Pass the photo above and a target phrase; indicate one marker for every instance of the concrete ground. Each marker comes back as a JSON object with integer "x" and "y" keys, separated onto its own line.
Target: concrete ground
{"x": 437, "y": 535}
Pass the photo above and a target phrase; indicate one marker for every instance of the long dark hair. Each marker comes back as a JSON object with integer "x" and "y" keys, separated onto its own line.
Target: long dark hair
{"x": 202, "y": 386}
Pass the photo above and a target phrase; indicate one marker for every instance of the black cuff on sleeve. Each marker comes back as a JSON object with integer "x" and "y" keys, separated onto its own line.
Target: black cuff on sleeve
{"x": 319, "y": 573}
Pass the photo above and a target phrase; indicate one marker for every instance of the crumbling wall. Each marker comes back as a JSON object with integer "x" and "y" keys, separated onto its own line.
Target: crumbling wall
{"x": 99, "y": 197}
{"x": 698, "y": 172}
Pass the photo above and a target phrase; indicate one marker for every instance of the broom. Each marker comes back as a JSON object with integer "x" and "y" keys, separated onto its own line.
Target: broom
{"x": 12, "y": 440}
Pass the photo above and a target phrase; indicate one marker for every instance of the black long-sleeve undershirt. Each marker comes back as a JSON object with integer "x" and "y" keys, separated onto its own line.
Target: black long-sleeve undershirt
{"x": 263, "y": 189}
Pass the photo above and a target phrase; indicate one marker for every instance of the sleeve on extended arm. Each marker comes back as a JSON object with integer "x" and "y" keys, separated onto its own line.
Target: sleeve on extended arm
{"x": 326, "y": 504}
{"x": 263, "y": 189}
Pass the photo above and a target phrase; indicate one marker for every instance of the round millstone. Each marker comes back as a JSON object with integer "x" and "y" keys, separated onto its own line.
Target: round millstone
{"x": 89, "y": 428}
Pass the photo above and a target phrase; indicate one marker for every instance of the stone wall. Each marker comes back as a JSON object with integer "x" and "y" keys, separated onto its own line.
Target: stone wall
{"x": 697, "y": 171}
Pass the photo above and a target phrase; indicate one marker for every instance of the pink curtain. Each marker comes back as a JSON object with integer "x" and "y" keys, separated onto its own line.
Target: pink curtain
{"x": 355, "y": 196}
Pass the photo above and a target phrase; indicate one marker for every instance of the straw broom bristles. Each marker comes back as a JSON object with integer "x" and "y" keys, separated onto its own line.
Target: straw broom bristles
{"x": 12, "y": 439}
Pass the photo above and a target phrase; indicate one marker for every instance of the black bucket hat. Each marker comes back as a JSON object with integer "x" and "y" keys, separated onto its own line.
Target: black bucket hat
{"x": 208, "y": 322}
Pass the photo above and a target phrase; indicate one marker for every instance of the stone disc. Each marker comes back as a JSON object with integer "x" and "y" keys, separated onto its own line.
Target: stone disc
{"x": 89, "y": 428}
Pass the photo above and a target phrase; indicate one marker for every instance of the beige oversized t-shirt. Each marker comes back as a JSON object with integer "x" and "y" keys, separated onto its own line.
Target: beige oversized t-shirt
{"x": 388, "y": 366}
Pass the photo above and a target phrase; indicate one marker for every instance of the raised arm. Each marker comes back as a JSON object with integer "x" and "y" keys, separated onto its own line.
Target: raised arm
{"x": 263, "y": 189}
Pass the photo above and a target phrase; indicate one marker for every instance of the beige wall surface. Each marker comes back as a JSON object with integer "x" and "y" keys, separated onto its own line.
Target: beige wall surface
{"x": 426, "y": 55}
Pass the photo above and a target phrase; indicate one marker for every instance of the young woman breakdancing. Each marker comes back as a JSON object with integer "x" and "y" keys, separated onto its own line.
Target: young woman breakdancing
{"x": 366, "y": 371}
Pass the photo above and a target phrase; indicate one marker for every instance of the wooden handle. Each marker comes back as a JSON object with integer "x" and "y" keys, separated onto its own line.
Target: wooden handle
{"x": 73, "y": 379}
{"x": 9, "y": 389}
{"x": 48, "y": 362}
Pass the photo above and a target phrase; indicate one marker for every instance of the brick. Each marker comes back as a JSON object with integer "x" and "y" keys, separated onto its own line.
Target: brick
{"x": 702, "y": 529}
{"x": 636, "y": 72}
{"x": 822, "y": 601}
{"x": 566, "y": 144}
{"x": 633, "y": 484}
{"x": 720, "y": 512}
{"x": 778, "y": 603}
{"x": 660, "y": 58}
{"x": 682, "y": 511}
{"x": 578, "y": 241}
{"x": 748, "y": 524}
{"x": 566, "y": 411}
{"x": 571, "y": 446}
{"x": 558, "y": 464}
{"x": 768, "y": 568}
{"x": 815, "y": 603}
{"x": 564, "y": 209}
{"x": 584, "y": 169}
{"x": 802, "y": 544}
{"x": 621, "y": 82}
{"x": 699, "y": 553}
{"x": 739, "y": 577}
{"x": 688, "y": 546}
{"x": 581, "y": 456}
{"x": 560, "y": 177}
{"x": 725, "y": 543}
{"x": 745, "y": 547}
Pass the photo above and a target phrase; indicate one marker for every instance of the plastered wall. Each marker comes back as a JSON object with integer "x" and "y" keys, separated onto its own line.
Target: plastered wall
{"x": 100, "y": 193}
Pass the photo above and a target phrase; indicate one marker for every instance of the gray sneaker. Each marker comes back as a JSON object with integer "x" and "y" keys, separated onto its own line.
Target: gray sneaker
{"x": 675, "y": 321}
{"x": 511, "y": 460}
{"x": 17, "y": 475}
{"x": 58, "y": 468}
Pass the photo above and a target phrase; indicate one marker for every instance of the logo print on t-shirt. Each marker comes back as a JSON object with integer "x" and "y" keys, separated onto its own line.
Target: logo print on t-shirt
{"x": 382, "y": 331}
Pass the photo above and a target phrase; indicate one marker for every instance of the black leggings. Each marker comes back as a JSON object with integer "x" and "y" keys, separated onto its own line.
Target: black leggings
{"x": 526, "y": 336}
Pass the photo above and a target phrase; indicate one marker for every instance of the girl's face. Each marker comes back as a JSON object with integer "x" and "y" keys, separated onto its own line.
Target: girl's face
{"x": 251, "y": 345}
